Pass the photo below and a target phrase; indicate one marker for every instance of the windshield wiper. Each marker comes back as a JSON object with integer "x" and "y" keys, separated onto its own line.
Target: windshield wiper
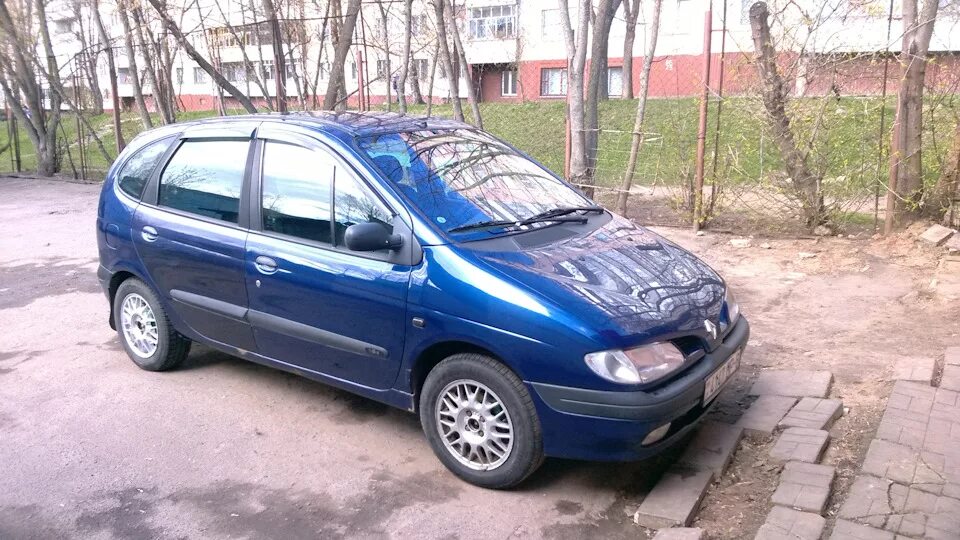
{"x": 564, "y": 210}
{"x": 558, "y": 215}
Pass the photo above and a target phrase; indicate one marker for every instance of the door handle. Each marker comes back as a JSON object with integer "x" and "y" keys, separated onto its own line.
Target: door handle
{"x": 265, "y": 265}
{"x": 149, "y": 234}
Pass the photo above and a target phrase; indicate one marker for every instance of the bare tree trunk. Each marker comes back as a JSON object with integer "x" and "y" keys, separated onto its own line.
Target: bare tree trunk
{"x": 597, "y": 85}
{"x": 462, "y": 57}
{"x": 387, "y": 73}
{"x": 576, "y": 44}
{"x": 453, "y": 77}
{"x": 405, "y": 65}
{"x": 631, "y": 9}
{"x": 200, "y": 60}
{"x": 433, "y": 74}
{"x": 905, "y": 193}
{"x": 150, "y": 67}
{"x": 806, "y": 184}
{"x": 112, "y": 73}
{"x": 415, "y": 82}
{"x": 637, "y": 138}
{"x": 133, "y": 69}
{"x": 21, "y": 85}
{"x": 341, "y": 49}
{"x": 279, "y": 64}
{"x": 87, "y": 59}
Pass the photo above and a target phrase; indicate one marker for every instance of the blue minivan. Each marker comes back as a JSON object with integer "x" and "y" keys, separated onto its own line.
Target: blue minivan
{"x": 422, "y": 263}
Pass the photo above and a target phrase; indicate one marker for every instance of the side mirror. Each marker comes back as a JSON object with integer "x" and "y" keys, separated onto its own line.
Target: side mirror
{"x": 371, "y": 237}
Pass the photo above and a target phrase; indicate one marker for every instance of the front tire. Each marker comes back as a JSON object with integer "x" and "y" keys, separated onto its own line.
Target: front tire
{"x": 481, "y": 422}
{"x": 144, "y": 329}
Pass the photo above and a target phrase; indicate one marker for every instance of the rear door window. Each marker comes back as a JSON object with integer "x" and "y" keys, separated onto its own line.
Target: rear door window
{"x": 296, "y": 192}
{"x": 205, "y": 177}
{"x": 137, "y": 170}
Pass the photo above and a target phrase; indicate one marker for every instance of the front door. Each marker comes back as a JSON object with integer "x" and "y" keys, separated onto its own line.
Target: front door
{"x": 313, "y": 303}
{"x": 189, "y": 236}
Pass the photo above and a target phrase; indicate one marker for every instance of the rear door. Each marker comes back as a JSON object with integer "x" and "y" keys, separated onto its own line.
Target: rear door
{"x": 190, "y": 232}
{"x": 313, "y": 303}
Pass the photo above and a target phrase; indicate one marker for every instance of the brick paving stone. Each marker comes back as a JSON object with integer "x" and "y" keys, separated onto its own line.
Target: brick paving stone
{"x": 813, "y": 413}
{"x": 950, "y": 378}
{"x": 848, "y": 530}
{"x": 679, "y": 533}
{"x": 765, "y": 413}
{"x": 800, "y": 444}
{"x": 871, "y": 500}
{"x": 914, "y": 368}
{"x": 804, "y": 486}
{"x": 675, "y": 498}
{"x": 793, "y": 383}
{"x": 937, "y": 235}
{"x": 784, "y": 523}
{"x": 712, "y": 447}
{"x": 952, "y": 356}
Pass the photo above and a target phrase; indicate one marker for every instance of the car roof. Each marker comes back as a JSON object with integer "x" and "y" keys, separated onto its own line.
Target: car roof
{"x": 341, "y": 124}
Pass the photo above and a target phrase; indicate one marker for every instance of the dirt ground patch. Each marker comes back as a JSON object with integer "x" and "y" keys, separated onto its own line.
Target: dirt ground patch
{"x": 227, "y": 448}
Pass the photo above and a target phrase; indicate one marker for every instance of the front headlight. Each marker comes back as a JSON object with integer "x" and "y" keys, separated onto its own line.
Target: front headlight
{"x": 638, "y": 365}
{"x": 733, "y": 308}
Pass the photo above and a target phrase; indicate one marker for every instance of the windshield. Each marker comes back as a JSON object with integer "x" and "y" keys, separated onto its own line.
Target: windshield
{"x": 462, "y": 177}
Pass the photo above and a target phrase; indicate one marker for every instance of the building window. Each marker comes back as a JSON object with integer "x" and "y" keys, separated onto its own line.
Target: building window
{"x": 353, "y": 70}
{"x": 266, "y": 70}
{"x": 382, "y": 69}
{"x": 550, "y": 25}
{"x": 199, "y": 75}
{"x": 123, "y": 75}
{"x": 553, "y": 82}
{"x": 508, "y": 83}
{"x": 418, "y": 25}
{"x": 492, "y": 22}
{"x": 422, "y": 67}
{"x": 179, "y": 73}
{"x": 290, "y": 68}
{"x": 324, "y": 70}
{"x": 63, "y": 26}
{"x": 615, "y": 81}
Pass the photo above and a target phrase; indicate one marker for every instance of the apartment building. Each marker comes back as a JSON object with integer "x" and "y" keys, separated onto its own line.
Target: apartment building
{"x": 515, "y": 49}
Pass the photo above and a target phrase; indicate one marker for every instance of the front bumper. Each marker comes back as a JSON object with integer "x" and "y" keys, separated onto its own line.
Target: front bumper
{"x": 609, "y": 426}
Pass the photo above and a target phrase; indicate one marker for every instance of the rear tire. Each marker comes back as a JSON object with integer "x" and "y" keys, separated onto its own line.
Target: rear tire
{"x": 144, "y": 329}
{"x": 481, "y": 422}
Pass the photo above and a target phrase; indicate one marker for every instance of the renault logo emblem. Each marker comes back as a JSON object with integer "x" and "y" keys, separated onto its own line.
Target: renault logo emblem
{"x": 711, "y": 328}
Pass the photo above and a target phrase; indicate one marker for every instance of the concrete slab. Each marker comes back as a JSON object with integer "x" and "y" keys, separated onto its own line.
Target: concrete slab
{"x": 712, "y": 447}
{"x": 679, "y": 533}
{"x": 675, "y": 498}
{"x": 913, "y": 368}
{"x": 952, "y": 356}
{"x": 785, "y": 523}
{"x": 813, "y": 413}
{"x": 848, "y": 530}
{"x": 804, "y": 486}
{"x": 937, "y": 235}
{"x": 800, "y": 444}
{"x": 794, "y": 383}
{"x": 765, "y": 414}
{"x": 950, "y": 379}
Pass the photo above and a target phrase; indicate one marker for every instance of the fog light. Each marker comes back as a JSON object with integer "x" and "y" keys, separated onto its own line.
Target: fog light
{"x": 656, "y": 435}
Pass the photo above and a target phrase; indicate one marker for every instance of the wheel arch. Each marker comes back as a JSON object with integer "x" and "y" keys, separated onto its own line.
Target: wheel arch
{"x": 436, "y": 353}
{"x": 116, "y": 280}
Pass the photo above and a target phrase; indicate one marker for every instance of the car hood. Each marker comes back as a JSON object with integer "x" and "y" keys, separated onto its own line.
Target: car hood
{"x": 624, "y": 283}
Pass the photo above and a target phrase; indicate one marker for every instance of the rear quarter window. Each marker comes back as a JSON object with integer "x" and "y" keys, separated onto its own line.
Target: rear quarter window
{"x": 136, "y": 171}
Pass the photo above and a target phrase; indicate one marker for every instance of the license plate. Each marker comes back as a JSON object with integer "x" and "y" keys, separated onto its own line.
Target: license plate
{"x": 717, "y": 379}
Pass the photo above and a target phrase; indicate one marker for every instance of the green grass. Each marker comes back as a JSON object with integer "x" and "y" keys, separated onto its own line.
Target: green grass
{"x": 847, "y": 142}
